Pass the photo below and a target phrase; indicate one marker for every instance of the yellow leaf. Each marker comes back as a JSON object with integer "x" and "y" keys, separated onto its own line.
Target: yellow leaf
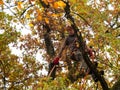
{"x": 39, "y": 18}
{"x": 47, "y": 20}
{"x": 1, "y": 2}
{"x": 31, "y": 25}
{"x": 27, "y": 15}
{"x": 38, "y": 11}
{"x": 19, "y": 4}
{"x": 54, "y": 15}
{"x": 59, "y": 4}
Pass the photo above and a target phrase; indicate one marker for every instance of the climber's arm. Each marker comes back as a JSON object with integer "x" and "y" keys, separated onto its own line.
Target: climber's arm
{"x": 62, "y": 48}
{"x": 57, "y": 58}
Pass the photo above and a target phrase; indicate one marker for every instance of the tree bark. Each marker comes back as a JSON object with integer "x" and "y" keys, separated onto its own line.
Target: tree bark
{"x": 48, "y": 42}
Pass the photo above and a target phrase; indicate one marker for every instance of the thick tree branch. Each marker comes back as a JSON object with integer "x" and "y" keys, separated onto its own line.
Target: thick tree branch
{"x": 82, "y": 48}
{"x": 48, "y": 42}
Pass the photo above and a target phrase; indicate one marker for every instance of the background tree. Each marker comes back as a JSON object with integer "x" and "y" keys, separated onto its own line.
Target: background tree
{"x": 98, "y": 21}
{"x": 16, "y": 72}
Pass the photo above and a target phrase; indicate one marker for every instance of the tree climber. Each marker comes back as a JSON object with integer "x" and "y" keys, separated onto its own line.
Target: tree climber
{"x": 71, "y": 42}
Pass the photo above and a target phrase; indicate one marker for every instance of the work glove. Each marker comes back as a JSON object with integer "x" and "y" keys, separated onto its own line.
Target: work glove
{"x": 90, "y": 52}
{"x": 56, "y": 61}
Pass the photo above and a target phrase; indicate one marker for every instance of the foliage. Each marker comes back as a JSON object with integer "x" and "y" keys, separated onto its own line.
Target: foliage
{"x": 15, "y": 72}
{"x": 116, "y": 85}
{"x": 97, "y": 20}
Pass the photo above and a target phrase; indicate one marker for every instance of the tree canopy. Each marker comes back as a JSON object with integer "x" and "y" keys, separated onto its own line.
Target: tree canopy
{"x": 97, "y": 21}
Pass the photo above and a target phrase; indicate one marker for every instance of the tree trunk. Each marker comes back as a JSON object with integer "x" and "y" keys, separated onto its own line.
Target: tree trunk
{"x": 49, "y": 45}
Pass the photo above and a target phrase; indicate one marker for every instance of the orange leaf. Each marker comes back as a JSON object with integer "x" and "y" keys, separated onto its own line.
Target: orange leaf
{"x": 59, "y": 4}
{"x": 54, "y": 15}
{"x": 38, "y": 11}
{"x": 39, "y": 18}
{"x": 47, "y": 20}
{"x": 1, "y": 2}
{"x": 55, "y": 5}
{"x": 19, "y": 4}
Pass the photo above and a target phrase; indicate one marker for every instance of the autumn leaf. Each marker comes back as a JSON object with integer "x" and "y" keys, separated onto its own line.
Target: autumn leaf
{"x": 38, "y": 11}
{"x": 54, "y": 15}
{"x": 39, "y": 18}
{"x": 27, "y": 15}
{"x": 46, "y": 2}
{"x": 1, "y": 2}
{"x": 47, "y": 20}
{"x": 19, "y": 5}
{"x": 59, "y": 4}
{"x": 49, "y": 13}
{"x": 31, "y": 25}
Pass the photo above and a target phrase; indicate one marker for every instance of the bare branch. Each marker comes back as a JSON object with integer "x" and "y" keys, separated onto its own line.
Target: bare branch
{"x": 25, "y": 10}
{"x": 82, "y": 18}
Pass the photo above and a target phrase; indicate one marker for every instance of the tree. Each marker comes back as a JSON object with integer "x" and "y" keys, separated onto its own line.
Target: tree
{"x": 98, "y": 23}
{"x": 15, "y": 72}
